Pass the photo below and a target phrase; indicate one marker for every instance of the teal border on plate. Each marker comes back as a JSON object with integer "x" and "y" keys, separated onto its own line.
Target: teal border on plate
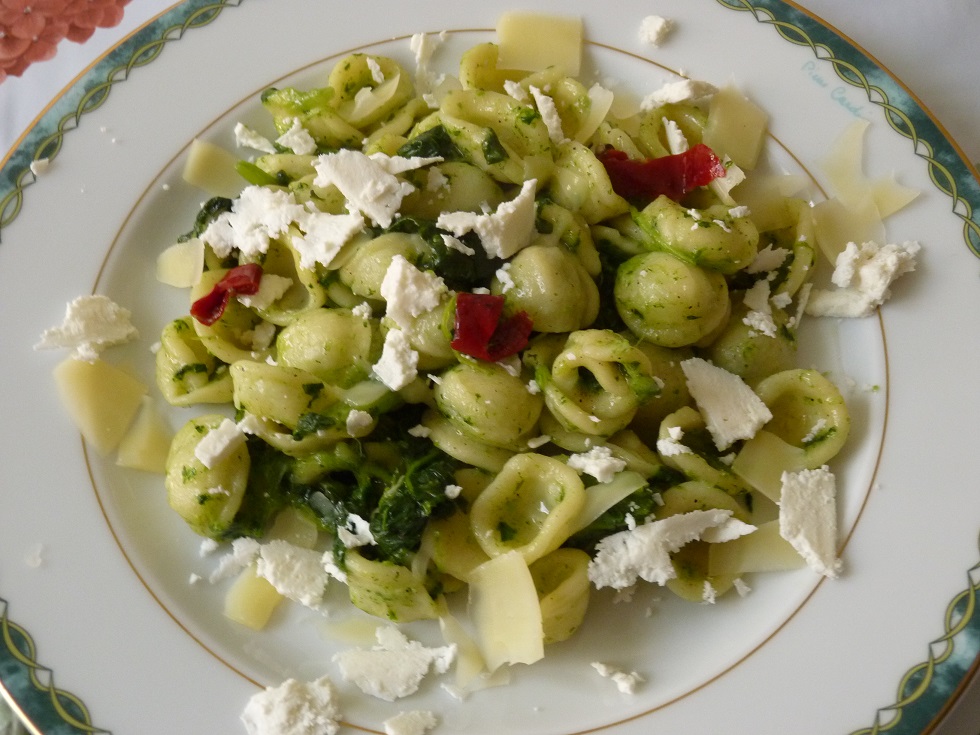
{"x": 924, "y": 691}
{"x": 28, "y": 685}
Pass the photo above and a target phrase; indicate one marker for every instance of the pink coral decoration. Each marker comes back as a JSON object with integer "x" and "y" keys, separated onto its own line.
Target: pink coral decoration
{"x": 30, "y": 30}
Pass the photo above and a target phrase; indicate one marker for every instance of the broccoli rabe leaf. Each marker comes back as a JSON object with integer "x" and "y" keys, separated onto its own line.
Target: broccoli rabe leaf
{"x": 433, "y": 143}
{"x": 461, "y": 272}
{"x": 209, "y": 212}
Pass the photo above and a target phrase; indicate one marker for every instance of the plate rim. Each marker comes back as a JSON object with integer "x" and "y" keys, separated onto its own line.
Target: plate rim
{"x": 920, "y": 704}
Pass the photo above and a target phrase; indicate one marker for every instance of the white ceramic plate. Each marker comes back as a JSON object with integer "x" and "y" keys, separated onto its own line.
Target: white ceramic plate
{"x": 99, "y": 626}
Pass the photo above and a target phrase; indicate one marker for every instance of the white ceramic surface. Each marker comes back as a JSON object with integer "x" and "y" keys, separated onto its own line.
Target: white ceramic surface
{"x": 147, "y": 652}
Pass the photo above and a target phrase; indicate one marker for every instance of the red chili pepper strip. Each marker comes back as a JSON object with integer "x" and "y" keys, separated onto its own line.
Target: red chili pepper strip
{"x": 673, "y": 176}
{"x": 481, "y": 332}
{"x": 242, "y": 279}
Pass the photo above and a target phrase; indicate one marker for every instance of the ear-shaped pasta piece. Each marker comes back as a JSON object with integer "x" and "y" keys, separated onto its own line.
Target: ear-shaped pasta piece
{"x": 597, "y": 382}
{"x": 665, "y": 366}
{"x": 462, "y": 188}
{"x": 186, "y": 373}
{"x": 365, "y": 267}
{"x": 693, "y": 581}
{"x": 281, "y": 394}
{"x": 530, "y": 507}
{"x": 711, "y": 238}
{"x": 314, "y": 112}
{"x": 670, "y": 302}
{"x": 487, "y": 403}
{"x": 367, "y": 89}
{"x": 335, "y": 345}
{"x": 693, "y": 452}
{"x": 570, "y": 231}
{"x": 227, "y": 338}
{"x": 562, "y": 581}
{"x": 553, "y": 287}
{"x": 306, "y": 291}
{"x": 451, "y": 440}
{"x": 808, "y": 412}
{"x": 450, "y": 539}
{"x": 478, "y": 69}
{"x": 207, "y": 498}
{"x": 742, "y": 349}
{"x": 580, "y": 183}
{"x": 387, "y": 590}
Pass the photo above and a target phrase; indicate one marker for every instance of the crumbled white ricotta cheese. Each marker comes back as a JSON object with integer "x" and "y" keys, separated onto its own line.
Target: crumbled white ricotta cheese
{"x": 423, "y": 45}
{"x": 454, "y": 243}
{"x": 420, "y": 431}
{"x": 295, "y": 572}
{"x": 516, "y": 90}
{"x": 293, "y": 708}
{"x": 863, "y": 274}
{"x": 363, "y": 310}
{"x": 245, "y": 137}
{"x": 452, "y": 491}
{"x": 218, "y": 443}
{"x": 400, "y": 164}
{"x": 355, "y": 532}
{"x": 359, "y": 423}
{"x": 366, "y": 183}
{"x": 549, "y": 114}
{"x": 504, "y": 278}
{"x": 676, "y": 141}
{"x": 767, "y": 259}
{"x": 395, "y": 667}
{"x": 808, "y": 517}
{"x": 504, "y": 232}
{"x": 741, "y": 587}
{"x": 91, "y": 324}
{"x": 709, "y": 595}
{"x": 626, "y": 682}
{"x": 323, "y": 235}
{"x": 243, "y": 552}
{"x": 412, "y": 722}
{"x": 376, "y": 74}
{"x": 686, "y": 90}
{"x": 644, "y": 553}
{"x": 398, "y": 365}
{"x": 598, "y": 462}
{"x": 258, "y": 215}
{"x": 759, "y": 316}
{"x": 297, "y": 139}
{"x": 410, "y": 292}
{"x": 730, "y": 408}
{"x": 654, "y": 29}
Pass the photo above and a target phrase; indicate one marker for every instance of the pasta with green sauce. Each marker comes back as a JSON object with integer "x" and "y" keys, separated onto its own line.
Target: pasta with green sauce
{"x": 442, "y": 329}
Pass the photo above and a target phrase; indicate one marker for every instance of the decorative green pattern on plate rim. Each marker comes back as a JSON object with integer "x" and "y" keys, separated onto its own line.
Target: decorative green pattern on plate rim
{"x": 923, "y": 692}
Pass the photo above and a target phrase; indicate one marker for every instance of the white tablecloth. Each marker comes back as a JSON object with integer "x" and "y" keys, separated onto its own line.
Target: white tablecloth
{"x": 930, "y": 46}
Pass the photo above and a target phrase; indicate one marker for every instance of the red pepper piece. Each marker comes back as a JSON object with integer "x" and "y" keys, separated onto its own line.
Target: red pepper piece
{"x": 242, "y": 279}
{"x": 673, "y": 176}
{"x": 481, "y": 332}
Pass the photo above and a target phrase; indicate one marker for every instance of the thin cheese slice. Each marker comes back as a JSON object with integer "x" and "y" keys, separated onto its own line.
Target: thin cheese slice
{"x": 505, "y": 610}
{"x": 212, "y": 168}
{"x": 535, "y": 41}
{"x": 146, "y": 445}
{"x": 101, "y": 399}
{"x": 736, "y": 127}
{"x": 764, "y": 550}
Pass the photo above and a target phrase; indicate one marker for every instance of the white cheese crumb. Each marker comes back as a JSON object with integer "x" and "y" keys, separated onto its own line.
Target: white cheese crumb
{"x": 549, "y": 114}
{"x": 359, "y": 423}
{"x": 91, "y": 324}
{"x": 410, "y": 292}
{"x": 516, "y": 90}
{"x": 297, "y": 139}
{"x": 709, "y": 595}
{"x": 398, "y": 365}
{"x": 730, "y": 408}
{"x": 759, "y": 316}
{"x": 625, "y": 682}
{"x": 808, "y": 518}
{"x": 452, "y": 491}
{"x": 533, "y": 388}
{"x": 323, "y": 235}
{"x": 767, "y": 259}
{"x": 598, "y": 462}
{"x": 363, "y": 310}
{"x": 506, "y": 282}
{"x": 644, "y": 553}
{"x": 454, "y": 243}
{"x": 538, "y": 441}
{"x": 412, "y": 722}
{"x": 395, "y": 667}
{"x": 260, "y": 338}
{"x": 245, "y": 137}
{"x": 356, "y": 532}
{"x": 376, "y": 74}
{"x": 258, "y": 215}
{"x": 420, "y": 431}
{"x": 863, "y": 274}
{"x": 423, "y": 45}
{"x": 295, "y": 572}
{"x": 243, "y": 552}
{"x": 34, "y": 558}
{"x": 686, "y": 90}
{"x": 654, "y": 29}
{"x": 365, "y": 182}
{"x": 502, "y": 233}
{"x": 676, "y": 141}
{"x": 741, "y": 587}
{"x": 219, "y": 443}
{"x": 208, "y": 547}
{"x": 293, "y": 708}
